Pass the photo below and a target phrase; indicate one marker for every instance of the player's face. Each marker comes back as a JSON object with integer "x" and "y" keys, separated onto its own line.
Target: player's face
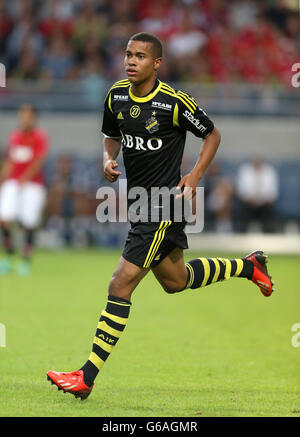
{"x": 26, "y": 117}
{"x": 140, "y": 63}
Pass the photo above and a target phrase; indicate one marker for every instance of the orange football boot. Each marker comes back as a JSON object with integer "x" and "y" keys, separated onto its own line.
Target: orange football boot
{"x": 260, "y": 275}
{"x": 71, "y": 382}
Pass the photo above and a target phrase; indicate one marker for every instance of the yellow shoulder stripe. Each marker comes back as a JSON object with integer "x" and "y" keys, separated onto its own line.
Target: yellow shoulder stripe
{"x": 186, "y": 96}
{"x": 189, "y": 105}
{"x": 168, "y": 92}
{"x": 120, "y": 84}
{"x": 186, "y": 104}
{"x": 121, "y": 81}
{"x": 188, "y": 99}
{"x": 125, "y": 82}
{"x": 168, "y": 87}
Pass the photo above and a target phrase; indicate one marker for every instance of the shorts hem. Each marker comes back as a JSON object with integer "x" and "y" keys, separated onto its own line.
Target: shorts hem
{"x": 132, "y": 261}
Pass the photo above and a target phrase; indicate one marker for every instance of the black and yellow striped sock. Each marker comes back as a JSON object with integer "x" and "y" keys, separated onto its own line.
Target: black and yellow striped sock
{"x": 110, "y": 327}
{"x": 206, "y": 271}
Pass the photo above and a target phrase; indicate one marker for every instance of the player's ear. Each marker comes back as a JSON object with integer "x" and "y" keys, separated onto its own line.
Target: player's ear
{"x": 157, "y": 63}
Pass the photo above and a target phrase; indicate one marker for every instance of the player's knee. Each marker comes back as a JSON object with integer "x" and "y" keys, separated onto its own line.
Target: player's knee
{"x": 168, "y": 289}
{"x": 116, "y": 288}
{"x": 173, "y": 287}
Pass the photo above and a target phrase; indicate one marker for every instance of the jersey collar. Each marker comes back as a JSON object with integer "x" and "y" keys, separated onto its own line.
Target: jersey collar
{"x": 147, "y": 97}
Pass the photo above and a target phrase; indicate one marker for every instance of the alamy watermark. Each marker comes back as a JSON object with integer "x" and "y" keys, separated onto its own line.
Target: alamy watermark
{"x": 2, "y": 76}
{"x": 296, "y": 337}
{"x": 2, "y": 335}
{"x": 156, "y": 204}
{"x": 295, "y": 81}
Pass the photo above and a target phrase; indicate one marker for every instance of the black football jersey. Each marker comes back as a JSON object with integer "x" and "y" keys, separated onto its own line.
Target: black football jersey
{"x": 152, "y": 130}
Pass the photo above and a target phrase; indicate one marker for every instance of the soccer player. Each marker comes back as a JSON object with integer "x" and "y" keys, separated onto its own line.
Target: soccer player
{"x": 22, "y": 190}
{"x": 149, "y": 120}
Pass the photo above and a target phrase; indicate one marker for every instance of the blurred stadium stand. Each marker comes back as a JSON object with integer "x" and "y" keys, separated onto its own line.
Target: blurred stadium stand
{"x": 207, "y": 41}
{"x": 234, "y": 57}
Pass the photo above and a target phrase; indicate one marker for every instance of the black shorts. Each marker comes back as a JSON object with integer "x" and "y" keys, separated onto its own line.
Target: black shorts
{"x": 149, "y": 243}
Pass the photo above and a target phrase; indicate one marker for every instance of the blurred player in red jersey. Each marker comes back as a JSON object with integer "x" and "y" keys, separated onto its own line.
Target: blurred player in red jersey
{"x": 22, "y": 189}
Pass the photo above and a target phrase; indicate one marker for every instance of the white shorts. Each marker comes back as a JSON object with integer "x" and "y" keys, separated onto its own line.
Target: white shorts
{"x": 22, "y": 203}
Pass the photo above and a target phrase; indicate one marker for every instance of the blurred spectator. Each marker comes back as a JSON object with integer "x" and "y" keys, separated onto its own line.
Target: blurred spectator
{"x": 242, "y": 14}
{"x": 18, "y": 8}
{"x": 61, "y": 10}
{"x": 24, "y": 36}
{"x": 60, "y": 203}
{"x": 92, "y": 81}
{"x": 6, "y": 26}
{"x": 278, "y": 12}
{"x": 187, "y": 40}
{"x": 114, "y": 47}
{"x": 157, "y": 17}
{"x": 72, "y": 202}
{"x": 221, "y": 63}
{"x": 89, "y": 26}
{"x": 58, "y": 60}
{"x": 219, "y": 190}
{"x": 27, "y": 68}
{"x": 257, "y": 191}
{"x": 57, "y": 16}
{"x": 204, "y": 40}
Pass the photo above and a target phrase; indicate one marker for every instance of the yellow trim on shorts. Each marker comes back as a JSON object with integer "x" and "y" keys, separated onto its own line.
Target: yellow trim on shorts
{"x": 157, "y": 239}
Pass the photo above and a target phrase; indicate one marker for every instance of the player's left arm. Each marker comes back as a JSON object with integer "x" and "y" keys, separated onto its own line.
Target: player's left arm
{"x": 190, "y": 117}
{"x": 39, "y": 160}
{"x": 209, "y": 148}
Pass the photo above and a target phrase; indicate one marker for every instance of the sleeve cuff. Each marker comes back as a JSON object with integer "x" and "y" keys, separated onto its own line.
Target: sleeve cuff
{"x": 111, "y": 137}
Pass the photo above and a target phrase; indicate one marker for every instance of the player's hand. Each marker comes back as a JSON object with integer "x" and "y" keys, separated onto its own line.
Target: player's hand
{"x": 190, "y": 183}
{"x": 109, "y": 170}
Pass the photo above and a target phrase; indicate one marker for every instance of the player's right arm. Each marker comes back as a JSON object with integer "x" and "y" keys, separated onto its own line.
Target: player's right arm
{"x": 111, "y": 141}
{"x": 111, "y": 149}
{"x": 190, "y": 117}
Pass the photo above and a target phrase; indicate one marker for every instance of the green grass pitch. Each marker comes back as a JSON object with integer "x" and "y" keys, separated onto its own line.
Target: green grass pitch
{"x": 224, "y": 350}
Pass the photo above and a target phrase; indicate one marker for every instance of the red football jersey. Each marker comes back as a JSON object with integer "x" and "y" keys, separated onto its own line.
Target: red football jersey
{"x": 23, "y": 148}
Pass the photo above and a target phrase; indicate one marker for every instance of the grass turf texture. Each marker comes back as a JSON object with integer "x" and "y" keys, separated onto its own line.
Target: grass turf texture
{"x": 224, "y": 350}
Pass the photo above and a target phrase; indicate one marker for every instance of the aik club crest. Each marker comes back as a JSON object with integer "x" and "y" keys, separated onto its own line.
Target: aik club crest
{"x": 152, "y": 125}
